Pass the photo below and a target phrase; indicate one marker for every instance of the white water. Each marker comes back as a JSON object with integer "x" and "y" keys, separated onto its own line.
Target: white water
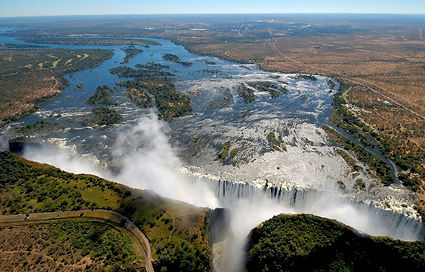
{"x": 148, "y": 161}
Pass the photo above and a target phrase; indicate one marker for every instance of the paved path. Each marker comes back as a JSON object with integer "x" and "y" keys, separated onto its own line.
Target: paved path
{"x": 106, "y": 216}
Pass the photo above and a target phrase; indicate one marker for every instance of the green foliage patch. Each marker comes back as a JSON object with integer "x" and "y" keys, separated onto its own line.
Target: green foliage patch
{"x": 130, "y": 52}
{"x": 32, "y": 77}
{"x": 310, "y": 243}
{"x": 176, "y": 59}
{"x": 267, "y": 86}
{"x": 224, "y": 151}
{"x": 383, "y": 171}
{"x": 352, "y": 125}
{"x": 102, "y": 96}
{"x": 100, "y": 241}
{"x": 152, "y": 79}
{"x": 276, "y": 142}
{"x": 246, "y": 93}
{"x": 27, "y": 187}
{"x": 102, "y": 116}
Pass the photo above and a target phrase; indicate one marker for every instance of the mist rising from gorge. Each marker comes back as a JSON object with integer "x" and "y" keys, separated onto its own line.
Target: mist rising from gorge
{"x": 146, "y": 160}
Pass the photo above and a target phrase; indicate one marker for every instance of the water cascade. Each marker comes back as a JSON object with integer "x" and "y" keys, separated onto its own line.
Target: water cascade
{"x": 363, "y": 217}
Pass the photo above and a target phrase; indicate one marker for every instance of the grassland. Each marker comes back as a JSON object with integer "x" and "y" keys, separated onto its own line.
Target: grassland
{"x": 69, "y": 245}
{"x": 92, "y": 41}
{"x": 383, "y": 52}
{"x": 19, "y": 46}
{"x": 394, "y": 130}
{"x": 390, "y": 62}
{"x": 310, "y": 243}
{"x": 31, "y": 77}
{"x": 381, "y": 57}
{"x": 358, "y": 129}
{"x": 178, "y": 232}
{"x": 385, "y": 56}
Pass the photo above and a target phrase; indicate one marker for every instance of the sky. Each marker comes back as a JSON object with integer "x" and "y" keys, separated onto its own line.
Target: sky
{"x": 14, "y": 8}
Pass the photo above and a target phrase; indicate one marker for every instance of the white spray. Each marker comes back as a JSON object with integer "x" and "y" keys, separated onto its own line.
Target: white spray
{"x": 147, "y": 161}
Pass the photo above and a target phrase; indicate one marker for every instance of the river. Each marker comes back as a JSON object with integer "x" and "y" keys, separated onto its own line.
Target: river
{"x": 305, "y": 161}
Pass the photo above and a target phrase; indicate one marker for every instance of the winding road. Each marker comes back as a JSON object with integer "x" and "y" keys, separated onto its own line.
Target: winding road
{"x": 105, "y": 216}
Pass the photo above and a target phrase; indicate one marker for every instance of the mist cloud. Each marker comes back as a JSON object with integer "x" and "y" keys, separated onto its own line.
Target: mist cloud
{"x": 147, "y": 161}
{"x": 65, "y": 159}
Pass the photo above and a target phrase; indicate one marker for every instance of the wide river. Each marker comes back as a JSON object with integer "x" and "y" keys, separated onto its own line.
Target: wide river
{"x": 305, "y": 168}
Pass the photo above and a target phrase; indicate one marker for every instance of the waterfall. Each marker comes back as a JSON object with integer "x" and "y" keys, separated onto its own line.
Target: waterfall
{"x": 363, "y": 217}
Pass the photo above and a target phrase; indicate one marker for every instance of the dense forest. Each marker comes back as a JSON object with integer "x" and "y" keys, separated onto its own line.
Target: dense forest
{"x": 310, "y": 243}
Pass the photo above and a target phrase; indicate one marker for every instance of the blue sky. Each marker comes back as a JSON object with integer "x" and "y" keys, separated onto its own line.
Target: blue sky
{"x": 9, "y": 8}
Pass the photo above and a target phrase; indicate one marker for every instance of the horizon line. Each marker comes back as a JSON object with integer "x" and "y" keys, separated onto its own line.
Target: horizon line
{"x": 206, "y": 13}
